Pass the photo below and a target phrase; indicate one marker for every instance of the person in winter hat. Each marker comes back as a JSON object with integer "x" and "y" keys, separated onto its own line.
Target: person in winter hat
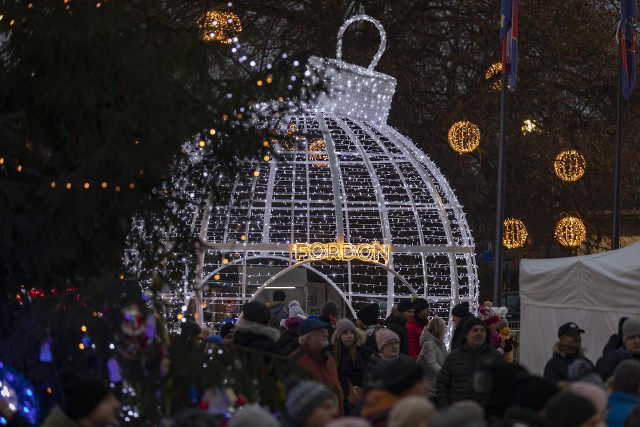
{"x": 433, "y": 351}
{"x": 226, "y": 332}
{"x": 294, "y": 311}
{"x": 491, "y": 320}
{"x": 277, "y": 308}
{"x": 397, "y": 321}
{"x": 87, "y": 402}
{"x": 625, "y": 392}
{"x": 566, "y": 350}
{"x": 352, "y": 357}
{"x": 252, "y": 330}
{"x": 459, "y": 314}
{"x": 368, "y": 315}
{"x": 314, "y": 357}
{"x": 455, "y": 380}
{"x": 415, "y": 326}
{"x": 570, "y": 410}
{"x": 607, "y": 364}
{"x": 308, "y": 404}
{"x": 400, "y": 378}
{"x": 389, "y": 344}
{"x": 411, "y": 411}
{"x": 289, "y": 338}
{"x": 253, "y": 415}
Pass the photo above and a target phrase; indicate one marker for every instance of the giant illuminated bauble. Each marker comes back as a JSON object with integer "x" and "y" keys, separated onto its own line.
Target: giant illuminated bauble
{"x": 220, "y": 26}
{"x": 569, "y": 165}
{"x": 464, "y": 137}
{"x": 570, "y": 231}
{"x": 515, "y": 233}
{"x": 346, "y": 189}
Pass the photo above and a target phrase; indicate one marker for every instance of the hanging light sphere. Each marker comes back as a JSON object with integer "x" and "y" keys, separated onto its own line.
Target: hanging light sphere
{"x": 569, "y": 165}
{"x": 570, "y": 231}
{"x": 464, "y": 137}
{"x": 220, "y": 26}
{"x": 318, "y": 153}
{"x": 515, "y": 233}
{"x": 492, "y": 71}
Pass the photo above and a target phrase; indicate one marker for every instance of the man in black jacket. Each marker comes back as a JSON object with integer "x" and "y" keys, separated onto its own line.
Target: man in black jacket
{"x": 253, "y": 330}
{"x": 455, "y": 380}
{"x": 459, "y": 313}
{"x": 397, "y": 321}
{"x": 566, "y": 350}
{"x": 607, "y": 364}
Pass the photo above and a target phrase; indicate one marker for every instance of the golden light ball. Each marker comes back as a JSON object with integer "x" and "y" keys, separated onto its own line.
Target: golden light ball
{"x": 464, "y": 137}
{"x": 570, "y": 231}
{"x": 569, "y": 165}
{"x": 515, "y": 233}
{"x": 218, "y": 26}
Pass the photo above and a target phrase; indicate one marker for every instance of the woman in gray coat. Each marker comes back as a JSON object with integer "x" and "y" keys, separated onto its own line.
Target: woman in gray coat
{"x": 433, "y": 351}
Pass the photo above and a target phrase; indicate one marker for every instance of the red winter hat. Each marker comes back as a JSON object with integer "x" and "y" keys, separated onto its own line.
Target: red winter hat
{"x": 489, "y": 317}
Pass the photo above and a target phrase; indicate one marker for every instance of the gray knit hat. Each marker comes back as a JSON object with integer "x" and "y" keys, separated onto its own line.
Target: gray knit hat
{"x": 631, "y": 328}
{"x": 253, "y": 415}
{"x": 304, "y": 398}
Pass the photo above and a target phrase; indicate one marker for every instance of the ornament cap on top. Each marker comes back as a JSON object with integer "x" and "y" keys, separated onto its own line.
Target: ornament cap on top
{"x": 348, "y": 90}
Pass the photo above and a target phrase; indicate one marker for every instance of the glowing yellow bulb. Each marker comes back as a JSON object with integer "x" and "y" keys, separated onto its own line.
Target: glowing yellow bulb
{"x": 239, "y": 116}
{"x": 117, "y": 188}
{"x": 83, "y": 328}
{"x": 204, "y": 305}
{"x": 179, "y": 316}
{"x": 86, "y": 185}
{"x": 265, "y": 143}
{"x": 216, "y": 277}
{"x": 81, "y": 346}
{"x": 259, "y": 83}
{"x": 266, "y": 158}
{"x": 49, "y": 390}
{"x": 269, "y": 78}
{"x": 225, "y": 261}
{"x": 68, "y": 185}
{"x": 256, "y": 173}
{"x": 243, "y": 237}
{"x": 19, "y": 168}
{"x": 1, "y": 160}
{"x": 212, "y": 131}
{"x": 202, "y": 143}
{"x": 53, "y": 184}
{"x": 132, "y": 186}
{"x": 103, "y": 185}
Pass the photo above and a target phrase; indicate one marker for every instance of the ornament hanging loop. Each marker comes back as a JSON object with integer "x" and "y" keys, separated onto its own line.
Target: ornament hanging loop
{"x": 383, "y": 38}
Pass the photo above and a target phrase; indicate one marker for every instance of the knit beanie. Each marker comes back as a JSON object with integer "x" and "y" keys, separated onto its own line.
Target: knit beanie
{"x": 344, "y": 325}
{"x": 296, "y": 311}
{"x": 331, "y": 308}
{"x": 405, "y": 305}
{"x": 369, "y": 313}
{"x": 256, "y": 311}
{"x": 631, "y": 328}
{"x": 303, "y": 398}
{"x": 567, "y": 410}
{"x": 469, "y": 324}
{"x": 293, "y": 323}
{"x": 410, "y": 411}
{"x": 226, "y": 328}
{"x": 593, "y": 393}
{"x": 253, "y": 415}
{"x": 82, "y": 393}
{"x": 400, "y": 375}
{"x": 420, "y": 304}
{"x": 461, "y": 310}
{"x": 384, "y": 336}
{"x": 489, "y": 317}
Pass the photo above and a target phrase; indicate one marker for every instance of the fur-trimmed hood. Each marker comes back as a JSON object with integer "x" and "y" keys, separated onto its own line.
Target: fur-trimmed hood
{"x": 559, "y": 350}
{"x": 361, "y": 338}
{"x": 255, "y": 328}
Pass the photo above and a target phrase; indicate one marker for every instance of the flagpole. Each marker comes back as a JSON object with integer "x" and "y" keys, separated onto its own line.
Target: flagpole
{"x": 497, "y": 247}
{"x": 615, "y": 230}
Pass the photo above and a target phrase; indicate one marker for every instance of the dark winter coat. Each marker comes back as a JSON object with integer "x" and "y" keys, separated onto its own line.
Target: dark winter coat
{"x": 350, "y": 371}
{"x": 370, "y": 332}
{"x": 256, "y": 336}
{"x": 557, "y": 368}
{"x": 278, "y": 311}
{"x": 288, "y": 341}
{"x": 458, "y": 336}
{"x": 615, "y": 340}
{"x": 455, "y": 381}
{"x": 431, "y": 357}
{"x": 607, "y": 364}
{"x": 414, "y": 330}
{"x": 373, "y": 372}
{"x": 397, "y": 325}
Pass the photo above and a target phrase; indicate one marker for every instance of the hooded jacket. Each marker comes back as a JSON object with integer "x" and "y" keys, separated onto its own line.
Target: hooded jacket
{"x": 431, "y": 357}
{"x": 256, "y": 336}
{"x": 557, "y": 368}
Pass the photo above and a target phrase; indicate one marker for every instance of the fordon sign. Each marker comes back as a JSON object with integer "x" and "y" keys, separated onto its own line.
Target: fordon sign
{"x": 368, "y": 252}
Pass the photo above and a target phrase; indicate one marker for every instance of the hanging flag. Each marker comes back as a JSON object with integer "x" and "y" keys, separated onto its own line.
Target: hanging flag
{"x": 509, "y": 40}
{"x": 628, "y": 10}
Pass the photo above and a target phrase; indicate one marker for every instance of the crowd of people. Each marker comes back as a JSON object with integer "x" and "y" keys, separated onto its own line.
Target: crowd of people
{"x": 399, "y": 372}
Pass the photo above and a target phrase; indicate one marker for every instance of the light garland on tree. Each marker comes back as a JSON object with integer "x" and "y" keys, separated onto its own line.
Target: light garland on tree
{"x": 570, "y": 165}
{"x": 18, "y": 393}
{"x": 464, "y": 137}
{"x": 570, "y": 231}
{"x": 515, "y": 233}
{"x": 493, "y": 71}
{"x": 219, "y": 26}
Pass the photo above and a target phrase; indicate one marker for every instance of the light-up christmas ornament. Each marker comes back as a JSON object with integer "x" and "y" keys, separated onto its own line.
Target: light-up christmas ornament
{"x": 493, "y": 71}
{"x": 515, "y": 233}
{"x": 570, "y": 231}
{"x": 464, "y": 137}
{"x": 569, "y": 165}
{"x": 220, "y": 26}
{"x": 378, "y": 222}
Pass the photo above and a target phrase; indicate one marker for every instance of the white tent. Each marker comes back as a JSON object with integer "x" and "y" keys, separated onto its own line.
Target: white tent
{"x": 594, "y": 291}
